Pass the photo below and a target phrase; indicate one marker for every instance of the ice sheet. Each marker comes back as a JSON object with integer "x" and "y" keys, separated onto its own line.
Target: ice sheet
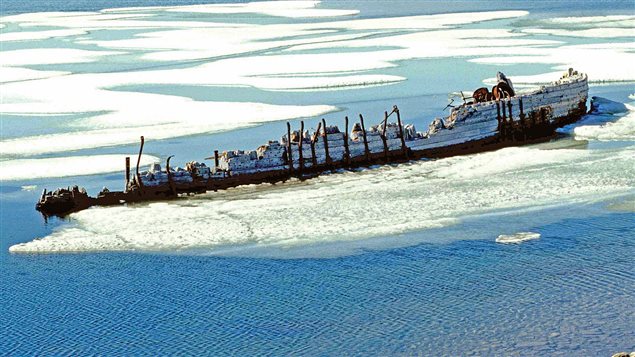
{"x": 26, "y": 169}
{"x": 161, "y": 116}
{"x": 386, "y": 201}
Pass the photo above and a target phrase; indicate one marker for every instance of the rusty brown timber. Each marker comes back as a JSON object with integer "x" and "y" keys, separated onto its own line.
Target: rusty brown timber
{"x": 532, "y": 127}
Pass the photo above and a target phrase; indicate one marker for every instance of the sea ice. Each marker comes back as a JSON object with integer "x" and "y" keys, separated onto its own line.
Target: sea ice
{"x": 27, "y": 169}
{"x": 351, "y": 205}
{"x": 517, "y": 237}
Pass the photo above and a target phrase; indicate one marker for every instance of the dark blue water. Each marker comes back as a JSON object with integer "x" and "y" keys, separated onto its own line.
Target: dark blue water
{"x": 570, "y": 292}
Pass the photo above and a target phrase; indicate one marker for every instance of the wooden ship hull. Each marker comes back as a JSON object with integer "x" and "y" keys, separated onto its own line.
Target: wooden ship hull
{"x": 491, "y": 120}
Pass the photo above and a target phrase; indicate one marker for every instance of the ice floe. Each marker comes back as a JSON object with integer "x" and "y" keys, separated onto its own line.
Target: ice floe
{"x": 38, "y": 56}
{"x": 601, "y": 62}
{"x": 166, "y": 118}
{"x": 38, "y": 35}
{"x": 294, "y": 9}
{"x": 606, "y": 32}
{"x": 10, "y": 62}
{"x": 517, "y": 237}
{"x": 27, "y": 169}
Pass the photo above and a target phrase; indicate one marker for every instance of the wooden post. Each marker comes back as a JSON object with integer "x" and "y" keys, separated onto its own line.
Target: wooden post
{"x": 346, "y": 150}
{"x": 216, "y": 163}
{"x": 300, "y": 158}
{"x": 498, "y": 116}
{"x": 523, "y": 124}
{"x": 366, "y": 151}
{"x": 404, "y": 149}
{"x": 511, "y": 116}
{"x": 514, "y": 124}
{"x": 289, "y": 156}
{"x": 313, "y": 140}
{"x": 127, "y": 171}
{"x": 138, "y": 176}
{"x": 383, "y": 136}
{"x": 326, "y": 143}
{"x": 543, "y": 116}
{"x": 139, "y": 157}
{"x": 167, "y": 170}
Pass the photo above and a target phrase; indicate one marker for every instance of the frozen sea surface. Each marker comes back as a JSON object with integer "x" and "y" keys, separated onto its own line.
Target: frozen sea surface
{"x": 397, "y": 260}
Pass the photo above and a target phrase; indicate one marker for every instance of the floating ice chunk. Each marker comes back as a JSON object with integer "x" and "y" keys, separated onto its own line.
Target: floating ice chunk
{"x": 608, "y": 121}
{"x": 601, "y": 105}
{"x": 517, "y": 237}
{"x": 623, "y": 129}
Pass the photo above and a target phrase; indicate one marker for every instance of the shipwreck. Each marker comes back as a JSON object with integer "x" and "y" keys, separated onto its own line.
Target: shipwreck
{"x": 488, "y": 120}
